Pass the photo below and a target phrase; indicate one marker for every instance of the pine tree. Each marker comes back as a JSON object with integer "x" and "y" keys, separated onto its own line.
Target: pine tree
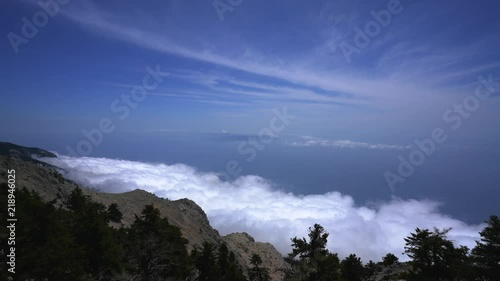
{"x": 434, "y": 257}
{"x": 389, "y": 259}
{"x": 314, "y": 262}
{"x": 157, "y": 249}
{"x": 486, "y": 254}
{"x": 257, "y": 272}
{"x": 352, "y": 268}
{"x": 370, "y": 269}
{"x": 115, "y": 215}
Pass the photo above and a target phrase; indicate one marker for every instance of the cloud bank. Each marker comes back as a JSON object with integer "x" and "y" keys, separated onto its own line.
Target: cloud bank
{"x": 306, "y": 141}
{"x": 255, "y": 205}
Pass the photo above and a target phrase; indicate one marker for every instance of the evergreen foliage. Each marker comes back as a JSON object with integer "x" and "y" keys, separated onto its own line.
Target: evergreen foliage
{"x": 216, "y": 264}
{"x": 257, "y": 272}
{"x": 78, "y": 243}
{"x": 315, "y": 262}
{"x": 486, "y": 254}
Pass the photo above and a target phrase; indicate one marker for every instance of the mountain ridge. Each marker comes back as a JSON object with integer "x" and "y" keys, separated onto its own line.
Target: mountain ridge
{"x": 184, "y": 213}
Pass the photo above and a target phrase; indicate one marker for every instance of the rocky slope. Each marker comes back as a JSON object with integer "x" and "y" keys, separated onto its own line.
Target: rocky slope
{"x": 246, "y": 246}
{"x": 185, "y": 214}
{"x": 393, "y": 272}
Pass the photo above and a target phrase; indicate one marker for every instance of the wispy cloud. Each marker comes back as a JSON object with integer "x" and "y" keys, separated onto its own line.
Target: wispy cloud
{"x": 226, "y": 90}
{"x": 141, "y": 34}
{"x": 308, "y": 141}
{"x": 288, "y": 59}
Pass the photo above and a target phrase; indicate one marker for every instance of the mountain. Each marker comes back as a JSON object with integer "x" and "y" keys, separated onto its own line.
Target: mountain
{"x": 48, "y": 182}
{"x": 22, "y": 152}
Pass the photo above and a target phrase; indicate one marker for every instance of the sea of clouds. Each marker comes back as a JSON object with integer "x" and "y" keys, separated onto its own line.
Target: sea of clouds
{"x": 254, "y": 205}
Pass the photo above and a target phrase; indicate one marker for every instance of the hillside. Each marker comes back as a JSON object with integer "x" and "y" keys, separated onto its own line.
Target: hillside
{"x": 184, "y": 213}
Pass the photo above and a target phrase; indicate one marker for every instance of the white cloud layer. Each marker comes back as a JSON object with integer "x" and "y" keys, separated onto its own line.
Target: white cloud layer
{"x": 269, "y": 214}
{"x": 306, "y": 141}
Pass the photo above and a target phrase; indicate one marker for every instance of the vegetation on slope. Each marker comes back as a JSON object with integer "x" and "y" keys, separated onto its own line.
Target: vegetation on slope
{"x": 77, "y": 243}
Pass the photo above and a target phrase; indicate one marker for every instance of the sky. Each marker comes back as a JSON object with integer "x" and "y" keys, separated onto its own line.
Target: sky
{"x": 384, "y": 102}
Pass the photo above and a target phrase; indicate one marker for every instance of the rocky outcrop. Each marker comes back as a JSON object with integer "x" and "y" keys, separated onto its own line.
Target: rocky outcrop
{"x": 183, "y": 213}
{"x": 245, "y": 246}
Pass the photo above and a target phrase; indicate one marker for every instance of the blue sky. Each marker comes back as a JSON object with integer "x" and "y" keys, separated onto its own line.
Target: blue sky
{"x": 360, "y": 86}
{"x": 228, "y": 75}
